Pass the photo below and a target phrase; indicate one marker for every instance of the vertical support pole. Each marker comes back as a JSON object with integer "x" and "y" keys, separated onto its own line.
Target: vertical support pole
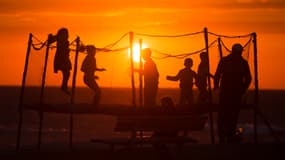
{"x": 20, "y": 107}
{"x": 42, "y": 95}
{"x": 73, "y": 93}
{"x": 209, "y": 88}
{"x": 141, "y": 82}
{"x": 132, "y": 69}
{"x": 220, "y": 48}
{"x": 256, "y": 90}
{"x": 140, "y": 75}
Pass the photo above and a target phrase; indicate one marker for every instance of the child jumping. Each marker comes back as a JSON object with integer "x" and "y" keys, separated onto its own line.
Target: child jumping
{"x": 89, "y": 68}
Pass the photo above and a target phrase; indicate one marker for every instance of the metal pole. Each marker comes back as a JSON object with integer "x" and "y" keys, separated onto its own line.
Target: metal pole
{"x": 256, "y": 98}
{"x": 256, "y": 90}
{"x": 140, "y": 75}
{"x": 42, "y": 95}
{"x": 132, "y": 69}
{"x": 220, "y": 48}
{"x": 141, "y": 81}
{"x": 209, "y": 87}
{"x": 73, "y": 92}
{"x": 20, "y": 107}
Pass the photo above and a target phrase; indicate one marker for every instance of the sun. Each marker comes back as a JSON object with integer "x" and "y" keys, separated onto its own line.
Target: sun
{"x": 136, "y": 51}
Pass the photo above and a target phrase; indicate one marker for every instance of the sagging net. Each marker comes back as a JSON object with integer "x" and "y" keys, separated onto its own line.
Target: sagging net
{"x": 41, "y": 83}
{"x": 224, "y": 47}
{"x": 168, "y": 51}
{"x": 34, "y": 71}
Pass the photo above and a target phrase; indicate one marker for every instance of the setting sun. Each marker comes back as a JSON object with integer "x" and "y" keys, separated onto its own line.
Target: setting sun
{"x": 136, "y": 51}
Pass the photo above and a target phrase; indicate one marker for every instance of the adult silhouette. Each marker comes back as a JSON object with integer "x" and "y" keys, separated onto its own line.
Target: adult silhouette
{"x": 151, "y": 76}
{"x": 233, "y": 78}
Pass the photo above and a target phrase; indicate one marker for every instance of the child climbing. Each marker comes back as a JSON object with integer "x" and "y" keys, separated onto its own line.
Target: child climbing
{"x": 61, "y": 58}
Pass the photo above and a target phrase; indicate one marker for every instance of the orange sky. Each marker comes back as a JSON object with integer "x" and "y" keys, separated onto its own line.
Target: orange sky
{"x": 102, "y": 22}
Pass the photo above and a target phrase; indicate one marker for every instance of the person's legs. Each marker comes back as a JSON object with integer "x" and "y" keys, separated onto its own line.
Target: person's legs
{"x": 182, "y": 100}
{"x": 147, "y": 98}
{"x": 228, "y": 117}
{"x": 65, "y": 77}
{"x": 203, "y": 96}
{"x": 97, "y": 94}
{"x": 92, "y": 84}
{"x": 190, "y": 98}
{"x": 186, "y": 97}
{"x": 224, "y": 103}
{"x": 232, "y": 125}
{"x": 233, "y": 119}
{"x": 154, "y": 94}
{"x": 222, "y": 124}
{"x": 150, "y": 93}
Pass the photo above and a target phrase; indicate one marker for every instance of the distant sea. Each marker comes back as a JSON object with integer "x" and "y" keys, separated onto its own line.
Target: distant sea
{"x": 271, "y": 105}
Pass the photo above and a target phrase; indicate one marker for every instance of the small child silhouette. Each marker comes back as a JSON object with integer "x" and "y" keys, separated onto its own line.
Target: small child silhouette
{"x": 202, "y": 75}
{"x": 89, "y": 68}
{"x": 187, "y": 78}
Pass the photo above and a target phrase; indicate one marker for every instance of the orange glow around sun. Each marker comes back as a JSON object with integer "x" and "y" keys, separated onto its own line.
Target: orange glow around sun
{"x": 136, "y": 51}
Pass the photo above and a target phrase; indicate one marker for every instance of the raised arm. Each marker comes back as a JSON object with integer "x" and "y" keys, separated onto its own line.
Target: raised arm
{"x": 52, "y": 38}
{"x": 173, "y": 78}
{"x": 100, "y": 69}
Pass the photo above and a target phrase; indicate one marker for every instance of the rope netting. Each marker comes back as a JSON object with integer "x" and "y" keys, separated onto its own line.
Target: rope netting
{"x": 168, "y": 51}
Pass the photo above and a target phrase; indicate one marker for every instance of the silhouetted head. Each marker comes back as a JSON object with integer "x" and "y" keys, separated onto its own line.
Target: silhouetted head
{"x": 146, "y": 53}
{"x": 237, "y": 49}
{"x": 188, "y": 62}
{"x": 203, "y": 56}
{"x": 62, "y": 34}
{"x": 167, "y": 103}
{"x": 91, "y": 50}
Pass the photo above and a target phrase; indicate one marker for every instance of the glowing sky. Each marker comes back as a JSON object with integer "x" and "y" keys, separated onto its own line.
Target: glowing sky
{"x": 101, "y": 22}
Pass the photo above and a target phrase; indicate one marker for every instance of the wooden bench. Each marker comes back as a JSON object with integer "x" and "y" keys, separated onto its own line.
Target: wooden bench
{"x": 161, "y": 124}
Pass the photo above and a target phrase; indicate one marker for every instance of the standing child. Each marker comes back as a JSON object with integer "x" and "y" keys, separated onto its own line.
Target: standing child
{"x": 187, "y": 78}
{"x": 202, "y": 75}
{"x": 89, "y": 67}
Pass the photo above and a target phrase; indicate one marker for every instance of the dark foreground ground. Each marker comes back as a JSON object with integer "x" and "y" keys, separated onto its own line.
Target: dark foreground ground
{"x": 89, "y": 126}
{"x": 265, "y": 151}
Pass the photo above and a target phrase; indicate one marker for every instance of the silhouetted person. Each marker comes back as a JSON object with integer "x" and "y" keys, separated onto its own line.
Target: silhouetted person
{"x": 187, "y": 78}
{"x": 89, "y": 68}
{"x": 202, "y": 77}
{"x": 61, "y": 58}
{"x": 233, "y": 76}
{"x": 151, "y": 77}
{"x": 167, "y": 104}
